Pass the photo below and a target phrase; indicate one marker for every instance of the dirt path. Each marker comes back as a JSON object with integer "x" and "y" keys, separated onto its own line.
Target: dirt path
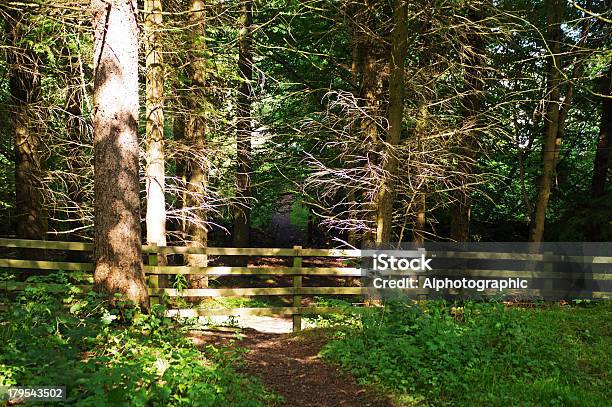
{"x": 289, "y": 366}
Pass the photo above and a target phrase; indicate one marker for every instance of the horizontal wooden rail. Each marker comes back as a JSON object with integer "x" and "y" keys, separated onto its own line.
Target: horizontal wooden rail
{"x": 241, "y": 292}
{"x": 468, "y": 273}
{"x": 230, "y": 271}
{"x": 257, "y": 251}
{"x": 46, "y": 244}
{"x": 537, "y": 257}
{"x": 271, "y": 311}
{"x": 231, "y": 292}
{"x": 304, "y": 271}
{"x": 46, "y": 265}
{"x": 233, "y": 251}
{"x": 297, "y": 272}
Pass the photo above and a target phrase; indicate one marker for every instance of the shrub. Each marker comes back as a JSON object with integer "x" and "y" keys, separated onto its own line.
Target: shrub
{"x": 115, "y": 356}
{"x": 481, "y": 354}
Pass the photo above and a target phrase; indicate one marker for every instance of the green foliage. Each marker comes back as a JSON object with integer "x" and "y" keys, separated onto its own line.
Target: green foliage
{"x": 350, "y": 317}
{"x": 115, "y": 356}
{"x": 299, "y": 215}
{"x": 482, "y": 354}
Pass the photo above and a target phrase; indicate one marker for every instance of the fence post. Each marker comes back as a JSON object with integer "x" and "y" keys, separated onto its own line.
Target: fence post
{"x": 153, "y": 278}
{"x": 297, "y": 284}
{"x": 548, "y": 267}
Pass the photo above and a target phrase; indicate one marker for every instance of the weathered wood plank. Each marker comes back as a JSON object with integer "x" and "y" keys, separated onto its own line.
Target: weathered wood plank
{"x": 46, "y": 244}
{"x": 240, "y": 292}
{"x": 272, "y": 311}
{"x": 485, "y": 255}
{"x": 46, "y": 265}
{"x": 556, "y": 258}
{"x": 585, "y": 259}
{"x": 224, "y": 271}
{"x": 505, "y": 274}
{"x": 297, "y": 284}
{"x": 219, "y": 251}
{"x": 255, "y": 251}
{"x": 231, "y": 251}
{"x": 527, "y": 293}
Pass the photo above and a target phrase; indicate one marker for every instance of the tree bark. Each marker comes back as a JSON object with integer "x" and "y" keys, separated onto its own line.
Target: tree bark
{"x": 462, "y": 208}
{"x": 357, "y": 52}
{"x": 384, "y": 221}
{"x": 155, "y": 182}
{"x": 420, "y": 222}
{"x": 370, "y": 95}
{"x": 602, "y": 156}
{"x": 117, "y": 242}
{"x": 195, "y": 132}
{"x": 242, "y": 212}
{"x": 25, "y": 88}
{"x": 420, "y": 219}
{"x": 551, "y": 141}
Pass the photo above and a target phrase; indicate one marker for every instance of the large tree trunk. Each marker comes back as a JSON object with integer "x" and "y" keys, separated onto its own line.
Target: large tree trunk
{"x": 24, "y": 83}
{"x": 384, "y": 219}
{"x": 155, "y": 162}
{"x": 602, "y": 156}
{"x": 117, "y": 242}
{"x": 356, "y": 73}
{"x": 462, "y": 208}
{"x": 370, "y": 95}
{"x": 195, "y": 132}
{"x": 242, "y": 212}
{"x": 551, "y": 141}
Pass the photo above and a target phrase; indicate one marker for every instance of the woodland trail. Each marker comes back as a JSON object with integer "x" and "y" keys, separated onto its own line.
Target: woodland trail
{"x": 288, "y": 364}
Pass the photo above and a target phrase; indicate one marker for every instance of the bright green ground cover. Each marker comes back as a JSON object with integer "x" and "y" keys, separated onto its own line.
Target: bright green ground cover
{"x": 435, "y": 354}
{"x": 115, "y": 357}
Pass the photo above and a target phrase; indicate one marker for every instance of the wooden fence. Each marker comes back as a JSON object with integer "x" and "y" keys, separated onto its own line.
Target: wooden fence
{"x": 544, "y": 261}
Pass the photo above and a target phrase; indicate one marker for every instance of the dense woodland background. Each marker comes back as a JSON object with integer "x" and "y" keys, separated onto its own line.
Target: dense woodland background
{"x": 320, "y": 122}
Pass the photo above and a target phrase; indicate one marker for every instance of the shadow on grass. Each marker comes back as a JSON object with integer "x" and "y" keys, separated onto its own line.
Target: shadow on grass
{"x": 112, "y": 357}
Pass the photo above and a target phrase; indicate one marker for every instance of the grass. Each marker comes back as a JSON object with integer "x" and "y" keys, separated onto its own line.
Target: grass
{"x": 435, "y": 354}
{"x": 112, "y": 356}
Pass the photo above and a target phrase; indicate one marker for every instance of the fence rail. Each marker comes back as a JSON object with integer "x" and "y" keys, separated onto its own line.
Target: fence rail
{"x": 297, "y": 272}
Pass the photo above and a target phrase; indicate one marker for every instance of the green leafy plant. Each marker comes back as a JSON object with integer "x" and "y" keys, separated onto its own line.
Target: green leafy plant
{"x": 470, "y": 354}
{"x": 115, "y": 355}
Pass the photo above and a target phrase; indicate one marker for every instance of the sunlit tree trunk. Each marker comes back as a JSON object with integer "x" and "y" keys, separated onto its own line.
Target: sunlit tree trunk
{"x": 601, "y": 166}
{"x": 384, "y": 220}
{"x": 117, "y": 242}
{"x": 242, "y": 212}
{"x": 25, "y": 87}
{"x": 154, "y": 156}
{"x": 551, "y": 141}
{"x": 195, "y": 132}
{"x": 420, "y": 199}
